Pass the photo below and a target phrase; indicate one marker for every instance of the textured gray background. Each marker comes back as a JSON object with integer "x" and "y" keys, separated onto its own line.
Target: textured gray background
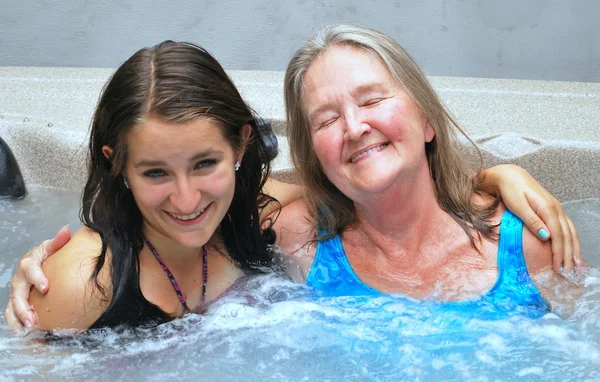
{"x": 532, "y": 39}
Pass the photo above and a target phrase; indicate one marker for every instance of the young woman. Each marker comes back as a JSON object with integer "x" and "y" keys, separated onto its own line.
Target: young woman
{"x": 171, "y": 204}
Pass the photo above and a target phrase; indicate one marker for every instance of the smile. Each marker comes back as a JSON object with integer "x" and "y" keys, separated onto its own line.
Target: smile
{"x": 367, "y": 152}
{"x": 188, "y": 217}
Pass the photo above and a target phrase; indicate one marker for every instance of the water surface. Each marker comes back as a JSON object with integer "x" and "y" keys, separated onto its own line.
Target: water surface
{"x": 289, "y": 335}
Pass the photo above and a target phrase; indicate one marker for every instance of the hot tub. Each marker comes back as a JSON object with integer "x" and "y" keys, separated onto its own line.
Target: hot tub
{"x": 550, "y": 128}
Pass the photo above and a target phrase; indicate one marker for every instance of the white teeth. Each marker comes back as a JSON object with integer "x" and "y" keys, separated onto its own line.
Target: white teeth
{"x": 188, "y": 217}
{"x": 369, "y": 151}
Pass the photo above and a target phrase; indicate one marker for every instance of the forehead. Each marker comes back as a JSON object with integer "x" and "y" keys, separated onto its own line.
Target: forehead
{"x": 343, "y": 69}
{"x": 155, "y": 135}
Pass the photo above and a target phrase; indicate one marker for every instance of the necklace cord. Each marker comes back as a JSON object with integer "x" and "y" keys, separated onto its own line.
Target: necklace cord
{"x": 174, "y": 282}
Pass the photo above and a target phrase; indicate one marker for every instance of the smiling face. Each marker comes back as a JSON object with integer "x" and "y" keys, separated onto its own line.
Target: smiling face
{"x": 182, "y": 177}
{"x": 367, "y": 131}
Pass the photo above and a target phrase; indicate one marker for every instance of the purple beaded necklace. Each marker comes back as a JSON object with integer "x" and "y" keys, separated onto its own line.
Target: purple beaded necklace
{"x": 174, "y": 282}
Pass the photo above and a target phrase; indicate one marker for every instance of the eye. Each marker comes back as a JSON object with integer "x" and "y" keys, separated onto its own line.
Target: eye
{"x": 329, "y": 122}
{"x": 205, "y": 163}
{"x": 154, "y": 173}
{"x": 372, "y": 101}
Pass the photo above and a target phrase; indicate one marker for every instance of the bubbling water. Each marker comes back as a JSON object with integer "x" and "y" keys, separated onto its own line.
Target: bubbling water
{"x": 289, "y": 334}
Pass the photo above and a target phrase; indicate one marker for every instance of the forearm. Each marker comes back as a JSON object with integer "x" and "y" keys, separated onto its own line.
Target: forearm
{"x": 490, "y": 179}
{"x": 285, "y": 193}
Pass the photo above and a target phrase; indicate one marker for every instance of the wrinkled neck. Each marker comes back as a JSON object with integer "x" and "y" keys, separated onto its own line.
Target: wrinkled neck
{"x": 404, "y": 217}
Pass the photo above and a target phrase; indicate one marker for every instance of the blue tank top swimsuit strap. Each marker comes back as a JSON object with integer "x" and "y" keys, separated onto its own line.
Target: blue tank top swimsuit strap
{"x": 332, "y": 275}
{"x": 174, "y": 282}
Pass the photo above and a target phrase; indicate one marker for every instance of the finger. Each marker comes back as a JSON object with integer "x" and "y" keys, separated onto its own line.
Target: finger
{"x": 11, "y": 319}
{"x": 550, "y": 215}
{"x": 577, "y": 257}
{"x": 540, "y": 216}
{"x": 558, "y": 241}
{"x": 49, "y": 247}
{"x": 568, "y": 245}
{"x": 535, "y": 224}
{"x": 62, "y": 237}
{"x": 30, "y": 273}
{"x": 24, "y": 312}
{"x": 558, "y": 246}
{"x": 32, "y": 268}
{"x": 34, "y": 276}
{"x": 19, "y": 296}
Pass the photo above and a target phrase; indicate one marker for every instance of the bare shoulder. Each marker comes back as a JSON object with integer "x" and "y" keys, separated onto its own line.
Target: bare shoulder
{"x": 295, "y": 231}
{"x": 538, "y": 254}
{"x": 72, "y": 301}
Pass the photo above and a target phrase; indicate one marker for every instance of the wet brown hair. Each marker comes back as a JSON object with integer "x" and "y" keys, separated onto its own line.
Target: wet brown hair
{"x": 176, "y": 82}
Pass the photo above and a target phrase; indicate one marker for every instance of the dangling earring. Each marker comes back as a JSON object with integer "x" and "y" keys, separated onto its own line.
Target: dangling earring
{"x": 237, "y": 165}
{"x": 125, "y": 183}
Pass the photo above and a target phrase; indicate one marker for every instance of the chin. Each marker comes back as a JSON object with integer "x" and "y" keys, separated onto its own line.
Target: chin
{"x": 380, "y": 182}
{"x": 192, "y": 245}
{"x": 190, "y": 240}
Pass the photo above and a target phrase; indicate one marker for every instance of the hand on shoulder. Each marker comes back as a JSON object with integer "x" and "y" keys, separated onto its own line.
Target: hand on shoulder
{"x": 74, "y": 301}
{"x": 538, "y": 254}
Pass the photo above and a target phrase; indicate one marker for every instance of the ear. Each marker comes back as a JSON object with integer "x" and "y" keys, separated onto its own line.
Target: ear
{"x": 107, "y": 151}
{"x": 246, "y": 133}
{"x": 429, "y": 132}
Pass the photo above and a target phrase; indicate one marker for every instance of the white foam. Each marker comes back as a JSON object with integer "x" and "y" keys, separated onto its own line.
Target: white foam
{"x": 288, "y": 334}
{"x": 530, "y": 370}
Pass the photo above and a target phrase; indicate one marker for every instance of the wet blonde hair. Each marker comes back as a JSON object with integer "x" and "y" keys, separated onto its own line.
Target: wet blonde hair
{"x": 454, "y": 179}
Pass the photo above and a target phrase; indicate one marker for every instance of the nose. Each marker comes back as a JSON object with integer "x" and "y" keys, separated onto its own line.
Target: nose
{"x": 186, "y": 197}
{"x": 355, "y": 127}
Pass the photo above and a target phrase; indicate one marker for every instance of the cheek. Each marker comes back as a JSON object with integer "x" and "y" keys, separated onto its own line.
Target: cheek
{"x": 220, "y": 185}
{"x": 389, "y": 120}
{"x": 327, "y": 146}
{"x": 147, "y": 196}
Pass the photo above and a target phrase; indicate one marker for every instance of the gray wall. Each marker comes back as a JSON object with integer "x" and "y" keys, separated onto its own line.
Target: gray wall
{"x": 532, "y": 39}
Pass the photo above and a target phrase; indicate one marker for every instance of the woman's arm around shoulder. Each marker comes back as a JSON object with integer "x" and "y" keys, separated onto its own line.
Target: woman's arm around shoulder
{"x": 538, "y": 254}
{"x": 538, "y": 209}
{"x": 74, "y": 301}
{"x": 285, "y": 193}
{"x": 560, "y": 289}
{"x": 295, "y": 232}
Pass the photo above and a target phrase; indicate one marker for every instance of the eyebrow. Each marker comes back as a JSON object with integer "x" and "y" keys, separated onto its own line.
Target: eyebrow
{"x": 199, "y": 155}
{"x": 370, "y": 87}
{"x": 364, "y": 88}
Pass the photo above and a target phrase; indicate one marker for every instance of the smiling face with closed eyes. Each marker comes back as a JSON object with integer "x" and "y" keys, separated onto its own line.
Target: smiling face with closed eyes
{"x": 182, "y": 177}
{"x": 367, "y": 131}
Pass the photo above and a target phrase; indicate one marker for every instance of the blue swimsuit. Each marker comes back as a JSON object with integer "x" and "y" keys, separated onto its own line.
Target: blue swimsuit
{"x": 331, "y": 275}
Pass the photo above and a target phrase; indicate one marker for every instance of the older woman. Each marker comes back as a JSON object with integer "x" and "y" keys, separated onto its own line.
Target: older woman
{"x": 397, "y": 209}
{"x": 390, "y": 195}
